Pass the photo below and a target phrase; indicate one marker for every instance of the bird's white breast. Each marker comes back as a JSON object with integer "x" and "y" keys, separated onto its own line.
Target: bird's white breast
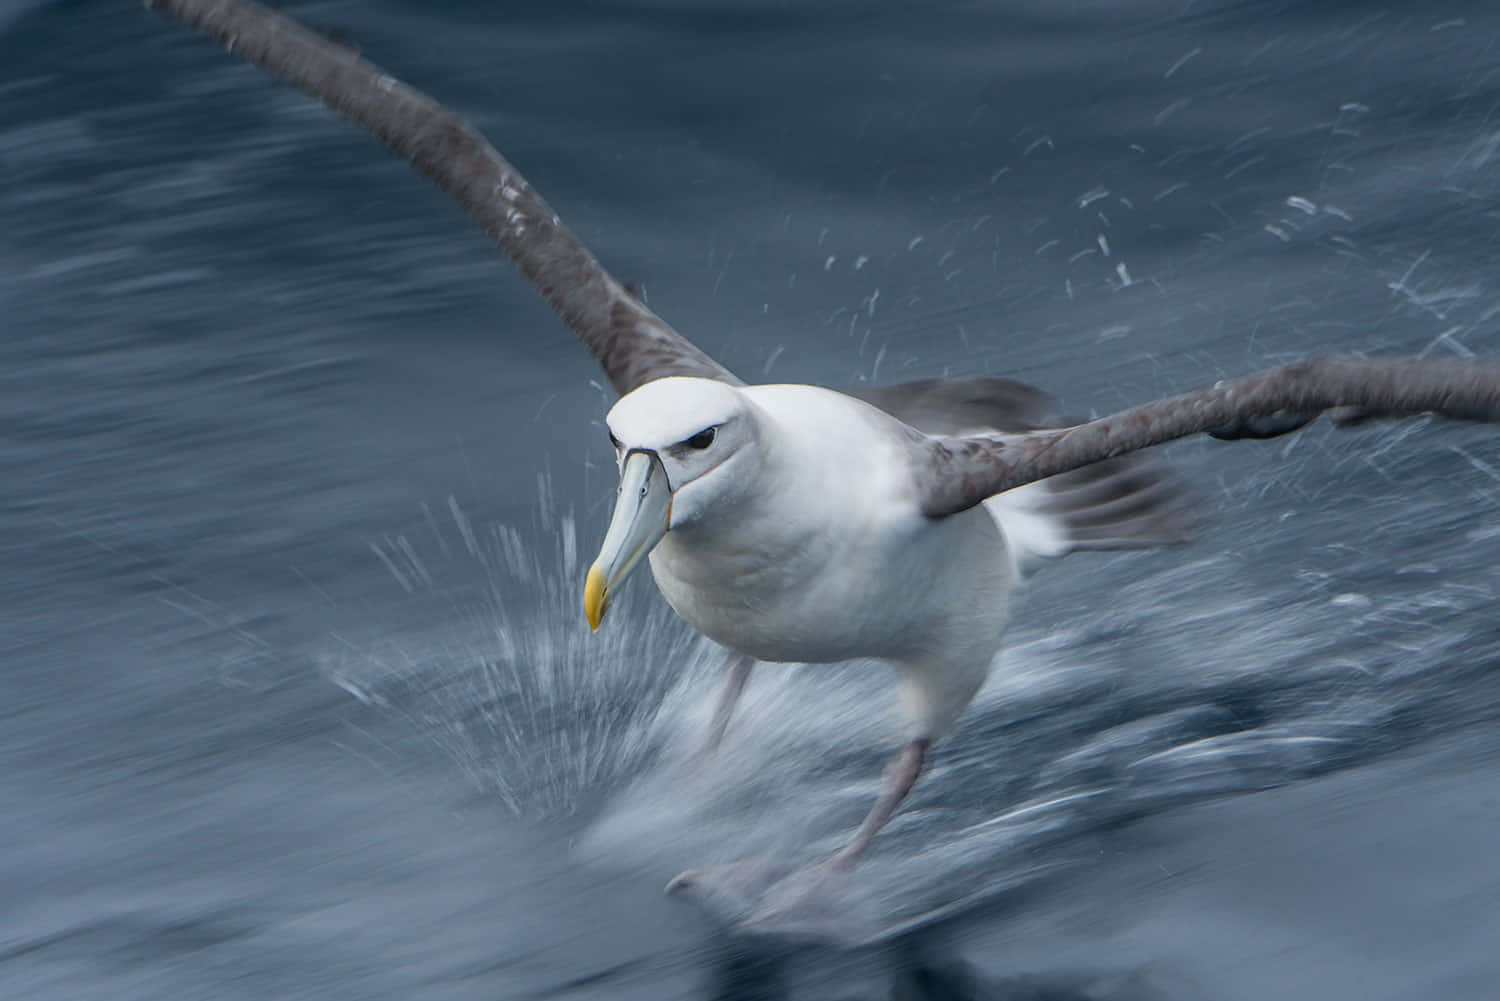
{"x": 826, "y": 557}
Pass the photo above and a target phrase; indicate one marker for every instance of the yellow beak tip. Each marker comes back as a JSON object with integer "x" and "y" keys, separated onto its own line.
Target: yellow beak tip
{"x": 593, "y": 598}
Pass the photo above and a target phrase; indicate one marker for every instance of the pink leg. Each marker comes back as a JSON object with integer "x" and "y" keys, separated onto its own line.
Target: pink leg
{"x": 900, "y": 775}
{"x": 729, "y": 697}
{"x": 755, "y": 889}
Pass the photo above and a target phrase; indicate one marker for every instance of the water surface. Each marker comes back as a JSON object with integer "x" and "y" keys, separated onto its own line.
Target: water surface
{"x": 299, "y": 478}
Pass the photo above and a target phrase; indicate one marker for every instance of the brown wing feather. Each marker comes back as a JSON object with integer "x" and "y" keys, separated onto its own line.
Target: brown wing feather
{"x": 1131, "y": 502}
{"x": 957, "y": 473}
{"x": 632, "y": 343}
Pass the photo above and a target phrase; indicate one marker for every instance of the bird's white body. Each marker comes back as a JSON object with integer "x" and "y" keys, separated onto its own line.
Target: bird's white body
{"x": 813, "y": 548}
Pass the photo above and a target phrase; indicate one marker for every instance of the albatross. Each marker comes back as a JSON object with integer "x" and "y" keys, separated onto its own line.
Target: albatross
{"x": 797, "y": 523}
{"x": 787, "y": 523}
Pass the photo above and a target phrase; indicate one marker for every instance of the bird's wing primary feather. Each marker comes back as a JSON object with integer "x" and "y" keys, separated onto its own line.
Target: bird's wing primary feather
{"x": 956, "y": 473}
{"x": 631, "y": 342}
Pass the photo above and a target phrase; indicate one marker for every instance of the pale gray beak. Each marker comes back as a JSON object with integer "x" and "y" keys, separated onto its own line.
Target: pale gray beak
{"x": 643, "y": 510}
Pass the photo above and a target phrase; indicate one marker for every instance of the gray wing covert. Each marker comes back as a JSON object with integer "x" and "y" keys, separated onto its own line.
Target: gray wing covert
{"x": 964, "y": 406}
{"x": 1130, "y": 502}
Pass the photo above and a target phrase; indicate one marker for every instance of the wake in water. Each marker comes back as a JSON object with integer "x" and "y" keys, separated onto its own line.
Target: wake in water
{"x": 1101, "y": 712}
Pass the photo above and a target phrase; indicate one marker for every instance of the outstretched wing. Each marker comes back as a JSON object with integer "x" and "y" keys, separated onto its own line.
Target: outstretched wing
{"x": 955, "y": 473}
{"x": 632, "y": 343}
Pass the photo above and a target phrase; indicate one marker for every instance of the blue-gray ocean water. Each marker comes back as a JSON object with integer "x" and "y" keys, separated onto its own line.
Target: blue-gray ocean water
{"x": 298, "y": 479}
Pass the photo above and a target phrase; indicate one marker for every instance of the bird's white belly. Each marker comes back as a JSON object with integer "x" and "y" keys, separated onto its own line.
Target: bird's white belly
{"x": 844, "y": 595}
{"x": 760, "y": 612}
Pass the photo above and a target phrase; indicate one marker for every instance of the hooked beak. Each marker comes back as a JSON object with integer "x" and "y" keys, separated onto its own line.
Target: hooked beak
{"x": 643, "y": 510}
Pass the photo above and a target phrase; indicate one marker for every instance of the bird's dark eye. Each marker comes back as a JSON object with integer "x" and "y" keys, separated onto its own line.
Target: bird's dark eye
{"x": 702, "y": 439}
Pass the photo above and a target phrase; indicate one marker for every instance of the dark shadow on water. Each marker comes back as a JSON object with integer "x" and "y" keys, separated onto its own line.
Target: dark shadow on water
{"x": 749, "y": 971}
{"x": 918, "y": 968}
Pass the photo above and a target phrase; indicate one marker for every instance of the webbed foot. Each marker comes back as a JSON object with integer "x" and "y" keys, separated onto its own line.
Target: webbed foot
{"x": 758, "y": 896}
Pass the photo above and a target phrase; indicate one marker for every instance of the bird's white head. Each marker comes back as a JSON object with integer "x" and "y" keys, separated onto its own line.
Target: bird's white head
{"x": 685, "y": 447}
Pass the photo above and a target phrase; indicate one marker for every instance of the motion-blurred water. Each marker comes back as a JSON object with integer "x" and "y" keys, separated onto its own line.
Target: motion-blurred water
{"x": 297, "y": 478}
